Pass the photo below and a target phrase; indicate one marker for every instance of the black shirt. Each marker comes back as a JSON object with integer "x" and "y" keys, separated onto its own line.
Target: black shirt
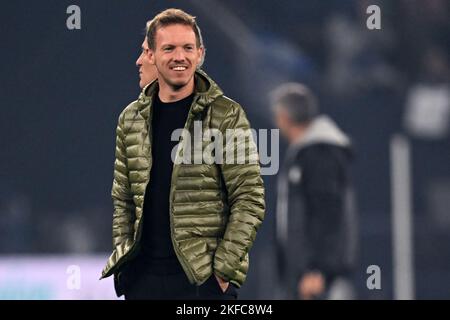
{"x": 156, "y": 243}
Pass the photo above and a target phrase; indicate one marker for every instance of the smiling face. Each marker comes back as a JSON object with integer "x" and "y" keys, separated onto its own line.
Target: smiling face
{"x": 176, "y": 56}
{"x": 147, "y": 71}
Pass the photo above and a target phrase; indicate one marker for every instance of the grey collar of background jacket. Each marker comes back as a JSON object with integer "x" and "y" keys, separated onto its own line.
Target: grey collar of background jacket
{"x": 323, "y": 130}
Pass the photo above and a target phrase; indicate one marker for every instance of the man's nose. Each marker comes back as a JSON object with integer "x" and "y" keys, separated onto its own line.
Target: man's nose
{"x": 178, "y": 55}
{"x": 139, "y": 61}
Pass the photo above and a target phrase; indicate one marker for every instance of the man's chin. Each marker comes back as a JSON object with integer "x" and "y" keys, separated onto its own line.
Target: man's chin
{"x": 178, "y": 85}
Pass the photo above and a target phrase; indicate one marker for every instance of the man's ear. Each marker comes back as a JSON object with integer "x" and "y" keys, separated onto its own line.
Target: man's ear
{"x": 201, "y": 53}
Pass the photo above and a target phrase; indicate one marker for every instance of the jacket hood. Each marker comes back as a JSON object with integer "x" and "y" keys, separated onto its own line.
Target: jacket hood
{"x": 205, "y": 89}
{"x": 324, "y": 130}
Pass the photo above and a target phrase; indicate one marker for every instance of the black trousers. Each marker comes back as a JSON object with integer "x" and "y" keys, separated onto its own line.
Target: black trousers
{"x": 171, "y": 283}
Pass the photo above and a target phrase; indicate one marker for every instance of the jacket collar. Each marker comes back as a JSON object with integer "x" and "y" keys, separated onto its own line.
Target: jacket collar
{"x": 324, "y": 130}
{"x": 206, "y": 91}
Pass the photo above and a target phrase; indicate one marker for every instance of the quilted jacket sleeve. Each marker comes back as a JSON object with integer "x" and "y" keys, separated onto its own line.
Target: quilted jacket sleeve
{"x": 245, "y": 191}
{"x": 124, "y": 208}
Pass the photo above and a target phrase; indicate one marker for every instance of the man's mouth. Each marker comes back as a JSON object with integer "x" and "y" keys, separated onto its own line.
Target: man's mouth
{"x": 178, "y": 68}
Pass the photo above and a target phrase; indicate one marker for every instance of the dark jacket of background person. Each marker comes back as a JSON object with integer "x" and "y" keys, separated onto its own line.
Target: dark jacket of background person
{"x": 315, "y": 190}
{"x": 216, "y": 209}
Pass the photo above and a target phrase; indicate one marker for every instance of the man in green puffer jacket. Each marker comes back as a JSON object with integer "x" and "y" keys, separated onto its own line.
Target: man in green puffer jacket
{"x": 191, "y": 239}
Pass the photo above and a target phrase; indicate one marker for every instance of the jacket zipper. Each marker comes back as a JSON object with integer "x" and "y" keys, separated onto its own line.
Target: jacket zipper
{"x": 139, "y": 229}
{"x": 187, "y": 269}
{"x": 150, "y": 137}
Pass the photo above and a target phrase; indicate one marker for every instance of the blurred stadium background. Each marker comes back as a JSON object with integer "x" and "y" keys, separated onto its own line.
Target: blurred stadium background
{"x": 61, "y": 92}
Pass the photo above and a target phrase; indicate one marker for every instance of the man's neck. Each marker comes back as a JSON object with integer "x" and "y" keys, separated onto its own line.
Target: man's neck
{"x": 169, "y": 94}
{"x": 297, "y": 133}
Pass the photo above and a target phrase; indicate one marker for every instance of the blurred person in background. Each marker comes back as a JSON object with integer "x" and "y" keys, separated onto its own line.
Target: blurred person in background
{"x": 200, "y": 219}
{"x": 315, "y": 207}
{"x": 427, "y": 112}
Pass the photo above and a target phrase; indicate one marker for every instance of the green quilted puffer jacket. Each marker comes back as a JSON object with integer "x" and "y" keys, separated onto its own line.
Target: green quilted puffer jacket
{"x": 215, "y": 209}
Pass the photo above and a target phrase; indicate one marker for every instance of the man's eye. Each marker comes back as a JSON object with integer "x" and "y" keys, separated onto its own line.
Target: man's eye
{"x": 167, "y": 49}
